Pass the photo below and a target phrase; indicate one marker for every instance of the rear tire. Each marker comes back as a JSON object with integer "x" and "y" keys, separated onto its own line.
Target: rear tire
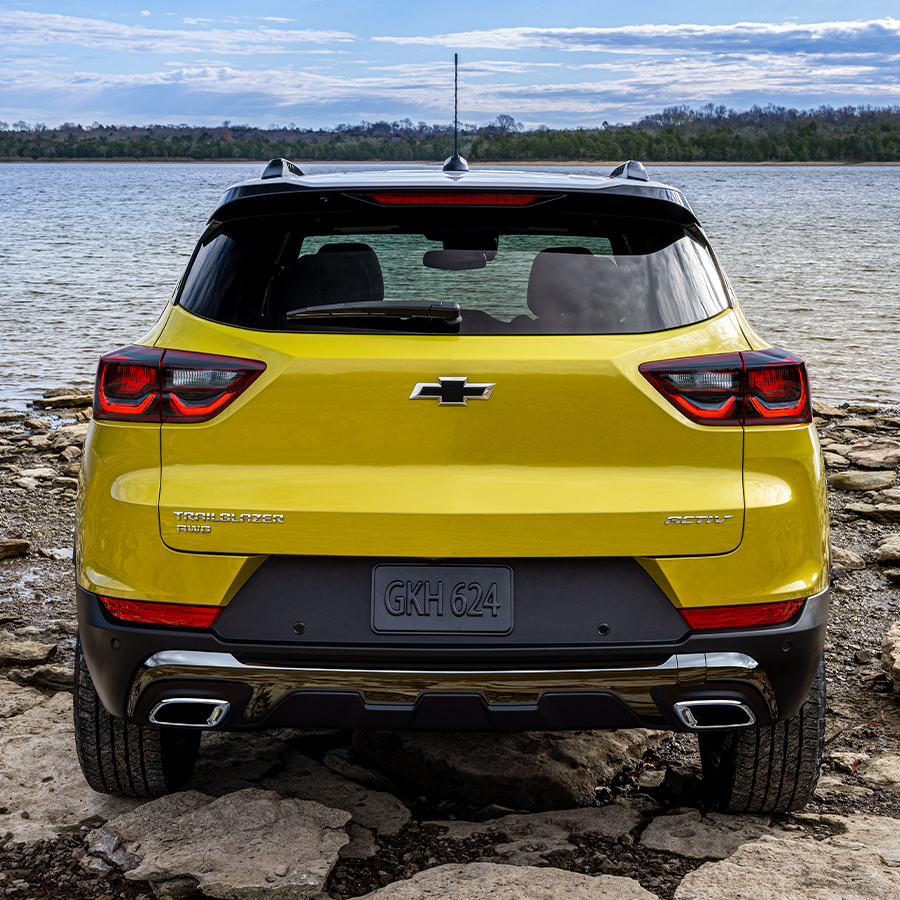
{"x": 120, "y": 758}
{"x": 770, "y": 769}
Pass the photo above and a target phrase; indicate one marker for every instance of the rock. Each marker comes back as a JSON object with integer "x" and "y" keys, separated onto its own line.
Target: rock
{"x": 862, "y": 481}
{"x": 522, "y": 770}
{"x": 530, "y": 837}
{"x": 34, "y": 745}
{"x": 888, "y": 551}
{"x": 489, "y": 881}
{"x": 885, "y": 513}
{"x": 860, "y": 424}
{"x": 834, "y": 461}
{"x": 27, "y": 483}
{"x": 57, "y": 678}
{"x": 68, "y": 436}
{"x": 891, "y": 495}
{"x": 715, "y": 836}
{"x": 251, "y": 845}
{"x": 13, "y": 653}
{"x": 829, "y": 785}
{"x": 875, "y": 453}
{"x": 74, "y": 452}
{"x": 15, "y": 547}
{"x": 339, "y": 761}
{"x": 892, "y": 575}
{"x": 863, "y": 656}
{"x": 877, "y": 832}
{"x": 14, "y": 699}
{"x": 307, "y": 779}
{"x": 37, "y": 424}
{"x": 820, "y": 408}
{"x": 847, "y": 558}
{"x": 362, "y": 843}
{"x": 884, "y": 770}
{"x": 833, "y": 869}
{"x": 66, "y": 401}
{"x": 39, "y": 443}
{"x": 66, "y": 392}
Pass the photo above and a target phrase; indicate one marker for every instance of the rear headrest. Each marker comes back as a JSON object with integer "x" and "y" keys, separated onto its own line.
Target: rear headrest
{"x": 333, "y": 275}
{"x": 569, "y": 282}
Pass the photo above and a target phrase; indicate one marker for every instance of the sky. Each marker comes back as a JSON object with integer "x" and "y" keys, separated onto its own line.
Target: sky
{"x": 317, "y": 63}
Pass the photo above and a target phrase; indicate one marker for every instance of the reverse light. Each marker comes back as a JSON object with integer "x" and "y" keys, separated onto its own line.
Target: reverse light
{"x": 758, "y": 387}
{"x": 748, "y": 616}
{"x": 150, "y": 613}
{"x": 148, "y": 384}
{"x": 452, "y": 198}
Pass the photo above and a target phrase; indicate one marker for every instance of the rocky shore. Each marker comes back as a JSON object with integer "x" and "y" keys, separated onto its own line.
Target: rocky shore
{"x": 297, "y": 813}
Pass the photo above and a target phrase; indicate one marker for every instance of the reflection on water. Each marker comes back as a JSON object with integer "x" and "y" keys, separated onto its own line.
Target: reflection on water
{"x": 90, "y": 253}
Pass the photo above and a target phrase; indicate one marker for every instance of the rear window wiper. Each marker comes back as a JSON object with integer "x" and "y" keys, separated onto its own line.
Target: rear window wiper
{"x": 448, "y": 311}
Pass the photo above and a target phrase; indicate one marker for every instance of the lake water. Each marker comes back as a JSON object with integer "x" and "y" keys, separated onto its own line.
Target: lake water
{"x": 89, "y": 254}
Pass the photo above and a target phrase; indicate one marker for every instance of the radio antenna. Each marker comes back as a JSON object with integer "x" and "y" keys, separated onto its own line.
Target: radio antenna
{"x": 456, "y": 163}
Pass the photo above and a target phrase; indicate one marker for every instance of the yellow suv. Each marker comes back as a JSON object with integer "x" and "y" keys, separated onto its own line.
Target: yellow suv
{"x": 460, "y": 450}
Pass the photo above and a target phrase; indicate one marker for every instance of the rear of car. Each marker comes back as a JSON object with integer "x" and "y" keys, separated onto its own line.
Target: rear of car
{"x": 468, "y": 451}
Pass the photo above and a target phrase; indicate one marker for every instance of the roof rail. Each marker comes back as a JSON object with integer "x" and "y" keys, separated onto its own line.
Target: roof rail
{"x": 280, "y": 168}
{"x": 631, "y": 169}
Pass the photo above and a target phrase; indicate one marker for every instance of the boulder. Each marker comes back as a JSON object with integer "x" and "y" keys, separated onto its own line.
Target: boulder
{"x": 834, "y": 869}
{"x": 820, "y": 408}
{"x": 40, "y": 775}
{"x": 489, "y": 881}
{"x": 873, "y": 480}
{"x": 847, "y": 558}
{"x": 888, "y": 551}
{"x": 714, "y": 836}
{"x": 890, "y": 654}
{"x": 522, "y": 770}
{"x": 875, "y": 453}
{"x": 14, "y": 699}
{"x": 531, "y": 837}
{"x": 15, "y": 547}
{"x": 306, "y": 779}
{"x": 249, "y": 845}
{"x": 883, "y": 770}
{"x": 17, "y": 653}
{"x": 884, "y": 513}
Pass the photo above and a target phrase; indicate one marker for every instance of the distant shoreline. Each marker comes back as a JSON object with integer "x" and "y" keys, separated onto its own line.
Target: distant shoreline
{"x": 127, "y": 160}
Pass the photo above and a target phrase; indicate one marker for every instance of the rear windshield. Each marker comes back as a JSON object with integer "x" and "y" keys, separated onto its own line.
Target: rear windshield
{"x": 595, "y": 276}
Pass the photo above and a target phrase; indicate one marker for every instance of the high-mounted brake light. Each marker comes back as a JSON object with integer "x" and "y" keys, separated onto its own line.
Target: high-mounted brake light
{"x": 147, "y": 384}
{"x": 749, "y": 616}
{"x": 452, "y": 198}
{"x": 758, "y": 387}
{"x": 150, "y": 613}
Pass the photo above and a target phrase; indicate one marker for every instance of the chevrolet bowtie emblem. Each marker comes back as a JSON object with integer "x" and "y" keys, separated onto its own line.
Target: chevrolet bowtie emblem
{"x": 452, "y": 391}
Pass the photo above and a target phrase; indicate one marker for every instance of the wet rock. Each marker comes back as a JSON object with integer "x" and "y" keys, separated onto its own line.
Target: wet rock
{"x": 249, "y": 845}
{"x": 56, "y": 678}
{"x": 834, "y": 869}
{"x": 34, "y": 745}
{"x": 874, "y": 453}
{"x": 847, "y": 558}
{"x": 15, "y": 547}
{"x": 820, "y": 408}
{"x": 489, "y": 881}
{"x": 714, "y": 836}
{"x": 17, "y": 653}
{"x": 888, "y": 551}
{"x": 304, "y": 778}
{"x": 884, "y": 513}
{"x": 530, "y": 837}
{"x": 873, "y": 480}
{"x": 15, "y": 699}
{"x": 883, "y": 770}
{"x": 890, "y": 654}
{"x": 522, "y": 770}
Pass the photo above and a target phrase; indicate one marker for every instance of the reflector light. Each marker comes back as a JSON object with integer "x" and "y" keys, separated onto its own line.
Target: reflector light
{"x": 759, "y": 387}
{"x": 452, "y": 197}
{"x": 146, "y": 384}
{"x": 749, "y": 616}
{"x": 161, "y": 613}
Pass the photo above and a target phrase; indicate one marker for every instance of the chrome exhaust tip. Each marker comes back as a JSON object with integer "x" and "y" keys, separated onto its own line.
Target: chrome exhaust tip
{"x": 699, "y": 715}
{"x": 189, "y": 712}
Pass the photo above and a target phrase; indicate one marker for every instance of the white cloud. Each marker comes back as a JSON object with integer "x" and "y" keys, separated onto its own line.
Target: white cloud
{"x": 144, "y": 12}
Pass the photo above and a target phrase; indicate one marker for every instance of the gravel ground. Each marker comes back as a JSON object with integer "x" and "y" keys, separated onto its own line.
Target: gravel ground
{"x": 37, "y": 601}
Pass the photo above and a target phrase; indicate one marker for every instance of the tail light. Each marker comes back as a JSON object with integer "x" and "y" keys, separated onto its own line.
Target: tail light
{"x": 149, "y": 613}
{"x": 453, "y": 198}
{"x": 749, "y": 616}
{"x": 759, "y": 387}
{"x": 147, "y": 384}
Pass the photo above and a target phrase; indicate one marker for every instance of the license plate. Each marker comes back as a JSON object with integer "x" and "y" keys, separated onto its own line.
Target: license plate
{"x": 442, "y": 599}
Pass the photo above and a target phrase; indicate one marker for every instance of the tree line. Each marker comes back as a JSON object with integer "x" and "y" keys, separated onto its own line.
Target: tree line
{"x": 677, "y": 134}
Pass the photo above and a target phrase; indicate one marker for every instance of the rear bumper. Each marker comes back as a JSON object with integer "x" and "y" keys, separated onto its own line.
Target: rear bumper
{"x": 765, "y": 671}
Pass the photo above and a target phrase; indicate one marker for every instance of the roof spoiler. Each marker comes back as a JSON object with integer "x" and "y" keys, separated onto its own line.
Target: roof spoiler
{"x": 631, "y": 169}
{"x": 281, "y": 168}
